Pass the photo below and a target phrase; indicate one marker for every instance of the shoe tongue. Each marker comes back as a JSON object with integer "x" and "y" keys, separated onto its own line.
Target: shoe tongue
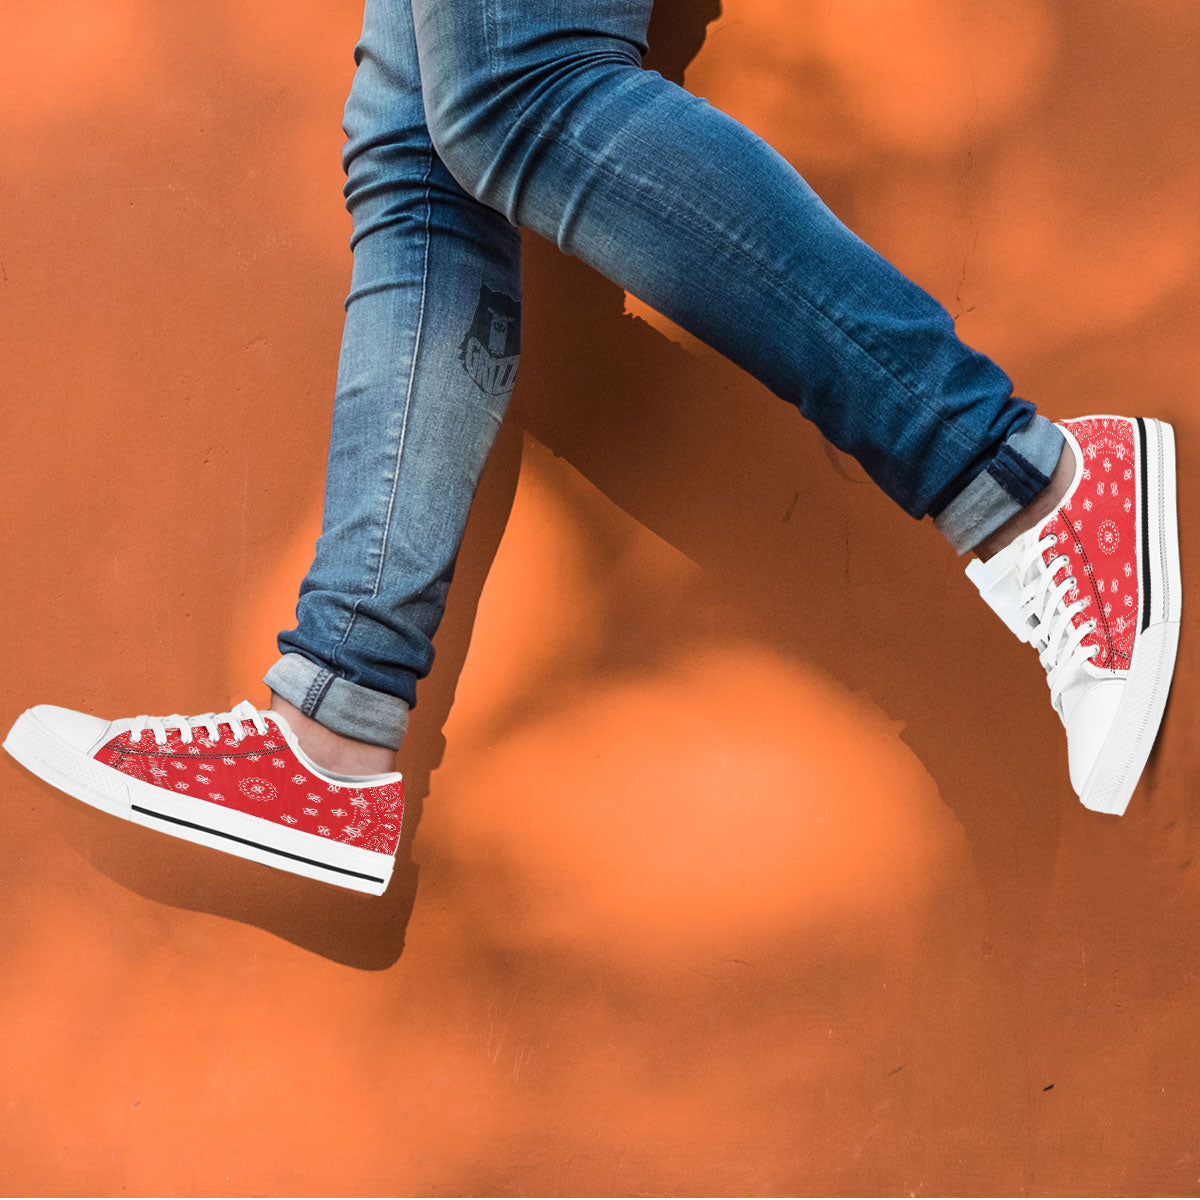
{"x": 999, "y": 583}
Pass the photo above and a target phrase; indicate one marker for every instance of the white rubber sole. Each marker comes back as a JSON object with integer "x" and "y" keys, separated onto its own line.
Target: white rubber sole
{"x": 39, "y": 749}
{"x": 1110, "y": 785}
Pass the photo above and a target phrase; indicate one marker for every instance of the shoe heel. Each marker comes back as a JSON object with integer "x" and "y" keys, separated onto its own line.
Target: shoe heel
{"x": 1158, "y": 530}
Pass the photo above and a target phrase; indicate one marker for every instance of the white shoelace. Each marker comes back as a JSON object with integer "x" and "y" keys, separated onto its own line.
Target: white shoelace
{"x": 245, "y": 711}
{"x": 1053, "y": 631}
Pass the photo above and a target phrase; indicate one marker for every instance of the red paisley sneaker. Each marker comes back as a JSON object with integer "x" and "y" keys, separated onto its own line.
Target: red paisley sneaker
{"x": 1096, "y": 589}
{"x": 237, "y": 781}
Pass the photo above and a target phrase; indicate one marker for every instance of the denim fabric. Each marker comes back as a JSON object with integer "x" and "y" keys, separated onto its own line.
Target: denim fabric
{"x": 469, "y": 119}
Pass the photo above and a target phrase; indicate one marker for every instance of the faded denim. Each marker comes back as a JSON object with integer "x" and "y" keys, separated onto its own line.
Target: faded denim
{"x": 467, "y": 120}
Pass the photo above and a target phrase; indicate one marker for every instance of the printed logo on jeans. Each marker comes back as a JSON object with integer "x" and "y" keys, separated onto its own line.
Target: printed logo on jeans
{"x": 490, "y": 351}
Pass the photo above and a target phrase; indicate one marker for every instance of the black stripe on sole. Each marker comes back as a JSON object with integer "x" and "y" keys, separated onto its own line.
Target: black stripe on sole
{"x": 312, "y": 862}
{"x": 1143, "y": 500}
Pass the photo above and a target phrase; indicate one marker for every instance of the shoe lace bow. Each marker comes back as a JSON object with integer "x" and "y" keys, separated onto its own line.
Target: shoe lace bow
{"x": 244, "y": 711}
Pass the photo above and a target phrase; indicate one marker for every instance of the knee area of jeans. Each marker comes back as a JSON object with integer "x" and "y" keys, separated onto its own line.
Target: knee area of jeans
{"x": 482, "y": 125}
{"x": 470, "y": 126}
{"x": 384, "y": 150}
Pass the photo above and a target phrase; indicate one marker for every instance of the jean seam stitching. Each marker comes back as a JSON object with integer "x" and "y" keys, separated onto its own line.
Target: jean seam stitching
{"x": 1020, "y": 486}
{"x": 314, "y": 686}
{"x": 938, "y": 506}
{"x": 1009, "y": 466}
{"x": 1035, "y": 473}
{"x": 326, "y": 684}
{"x": 335, "y": 653}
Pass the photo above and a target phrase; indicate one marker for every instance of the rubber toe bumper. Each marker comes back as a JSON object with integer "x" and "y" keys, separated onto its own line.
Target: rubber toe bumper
{"x": 80, "y": 731}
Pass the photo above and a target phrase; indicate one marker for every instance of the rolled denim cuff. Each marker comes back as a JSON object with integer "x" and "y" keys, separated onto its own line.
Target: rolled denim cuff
{"x": 346, "y": 708}
{"x": 1019, "y": 471}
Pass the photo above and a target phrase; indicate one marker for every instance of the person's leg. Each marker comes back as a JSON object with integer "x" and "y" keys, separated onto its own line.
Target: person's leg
{"x": 428, "y": 359}
{"x": 546, "y": 114}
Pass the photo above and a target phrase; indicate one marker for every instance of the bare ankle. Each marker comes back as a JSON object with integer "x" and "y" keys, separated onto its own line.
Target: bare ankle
{"x": 1037, "y": 510}
{"x": 333, "y": 751}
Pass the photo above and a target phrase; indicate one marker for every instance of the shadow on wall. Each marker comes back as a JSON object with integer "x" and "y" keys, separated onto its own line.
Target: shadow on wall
{"x": 723, "y": 705}
{"x": 370, "y": 933}
{"x": 799, "y": 554}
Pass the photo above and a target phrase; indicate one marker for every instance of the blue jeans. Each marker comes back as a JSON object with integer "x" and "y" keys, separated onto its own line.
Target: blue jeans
{"x": 470, "y": 118}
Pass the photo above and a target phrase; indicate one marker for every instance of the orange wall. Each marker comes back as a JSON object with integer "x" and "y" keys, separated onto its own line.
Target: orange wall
{"x": 740, "y": 855}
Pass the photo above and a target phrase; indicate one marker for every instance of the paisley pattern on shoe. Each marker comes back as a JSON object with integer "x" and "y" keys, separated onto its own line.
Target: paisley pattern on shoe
{"x": 1095, "y": 589}
{"x": 237, "y": 781}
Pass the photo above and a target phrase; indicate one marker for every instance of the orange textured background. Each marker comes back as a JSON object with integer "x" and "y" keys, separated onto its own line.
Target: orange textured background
{"x": 740, "y": 855}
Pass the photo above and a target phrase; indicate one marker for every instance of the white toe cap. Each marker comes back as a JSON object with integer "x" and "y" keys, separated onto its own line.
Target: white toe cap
{"x": 1089, "y": 722}
{"x": 79, "y": 730}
